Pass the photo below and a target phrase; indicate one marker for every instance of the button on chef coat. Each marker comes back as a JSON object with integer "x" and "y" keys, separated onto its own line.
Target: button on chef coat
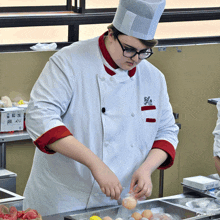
{"x": 71, "y": 91}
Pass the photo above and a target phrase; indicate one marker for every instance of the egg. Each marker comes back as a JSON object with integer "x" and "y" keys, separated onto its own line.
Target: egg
{"x": 136, "y": 216}
{"x": 107, "y": 218}
{"x": 118, "y": 219}
{"x": 129, "y": 202}
{"x": 147, "y": 214}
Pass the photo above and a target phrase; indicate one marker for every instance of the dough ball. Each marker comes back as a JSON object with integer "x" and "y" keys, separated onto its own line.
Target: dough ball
{"x": 129, "y": 202}
{"x": 147, "y": 214}
{"x": 136, "y": 216}
{"x": 107, "y": 218}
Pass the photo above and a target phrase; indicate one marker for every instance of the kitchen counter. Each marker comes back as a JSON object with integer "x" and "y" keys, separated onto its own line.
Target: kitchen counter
{"x": 174, "y": 205}
{"x": 61, "y": 216}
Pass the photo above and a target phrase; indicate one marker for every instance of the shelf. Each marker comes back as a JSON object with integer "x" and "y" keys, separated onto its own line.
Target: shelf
{"x": 16, "y": 136}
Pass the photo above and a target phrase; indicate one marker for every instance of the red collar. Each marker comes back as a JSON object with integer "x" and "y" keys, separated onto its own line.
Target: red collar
{"x": 108, "y": 58}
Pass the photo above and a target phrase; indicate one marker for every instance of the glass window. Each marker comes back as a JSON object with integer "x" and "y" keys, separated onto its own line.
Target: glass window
{"x": 164, "y": 30}
{"x": 192, "y": 3}
{"x": 8, "y": 3}
{"x": 60, "y": 33}
{"x": 91, "y": 30}
{"x": 102, "y": 4}
{"x": 34, "y": 35}
{"x": 169, "y": 3}
{"x": 188, "y": 29}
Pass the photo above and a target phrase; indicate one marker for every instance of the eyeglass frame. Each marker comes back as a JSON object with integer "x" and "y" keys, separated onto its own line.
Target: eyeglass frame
{"x": 151, "y": 52}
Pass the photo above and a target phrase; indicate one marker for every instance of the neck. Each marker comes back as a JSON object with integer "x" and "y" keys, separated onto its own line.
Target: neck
{"x": 106, "y": 43}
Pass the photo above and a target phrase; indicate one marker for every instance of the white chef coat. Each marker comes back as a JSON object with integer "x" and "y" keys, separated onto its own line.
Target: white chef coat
{"x": 117, "y": 116}
{"x": 216, "y": 133}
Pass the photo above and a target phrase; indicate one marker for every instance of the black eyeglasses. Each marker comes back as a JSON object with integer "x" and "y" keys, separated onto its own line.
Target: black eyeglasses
{"x": 131, "y": 52}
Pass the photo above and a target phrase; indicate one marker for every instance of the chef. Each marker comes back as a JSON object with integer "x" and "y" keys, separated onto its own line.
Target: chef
{"x": 216, "y": 134}
{"x": 100, "y": 117}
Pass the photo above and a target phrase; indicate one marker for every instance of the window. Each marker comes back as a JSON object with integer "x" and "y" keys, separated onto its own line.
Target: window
{"x": 60, "y": 32}
{"x": 164, "y": 30}
{"x": 90, "y": 31}
{"x": 22, "y": 35}
{"x": 188, "y": 29}
{"x": 102, "y": 4}
{"x": 192, "y": 3}
{"x": 169, "y": 3}
{"x": 12, "y": 3}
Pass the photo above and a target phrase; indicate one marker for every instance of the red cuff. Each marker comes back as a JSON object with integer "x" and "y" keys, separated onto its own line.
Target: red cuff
{"x": 50, "y": 137}
{"x": 169, "y": 149}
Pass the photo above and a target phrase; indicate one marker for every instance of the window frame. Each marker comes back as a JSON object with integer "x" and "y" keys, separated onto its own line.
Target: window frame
{"x": 74, "y": 16}
{"x": 48, "y": 8}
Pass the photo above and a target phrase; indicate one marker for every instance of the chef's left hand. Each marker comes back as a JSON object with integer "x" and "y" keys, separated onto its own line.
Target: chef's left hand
{"x": 141, "y": 184}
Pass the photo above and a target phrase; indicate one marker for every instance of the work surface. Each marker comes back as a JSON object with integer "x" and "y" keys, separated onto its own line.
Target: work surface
{"x": 172, "y": 205}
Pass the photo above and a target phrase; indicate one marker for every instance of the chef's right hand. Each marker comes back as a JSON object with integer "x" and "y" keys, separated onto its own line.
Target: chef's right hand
{"x": 107, "y": 180}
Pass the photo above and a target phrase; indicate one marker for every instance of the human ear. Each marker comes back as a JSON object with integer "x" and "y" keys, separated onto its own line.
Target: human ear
{"x": 110, "y": 34}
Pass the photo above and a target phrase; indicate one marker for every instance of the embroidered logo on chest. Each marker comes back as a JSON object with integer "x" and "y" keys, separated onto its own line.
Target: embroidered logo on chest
{"x": 148, "y": 105}
{"x": 148, "y": 101}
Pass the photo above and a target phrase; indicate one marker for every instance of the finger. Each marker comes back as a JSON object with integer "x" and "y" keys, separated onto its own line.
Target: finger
{"x": 117, "y": 193}
{"x": 133, "y": 183}
{"x": 107, "y": 192}
{"x": 120, "y": 187}
{"x": 103, "y": 190}
{"x": 149, "y": 191}
{"x": 142, "y": 193}
{"x": 139, "y": 186}
{"x": 112, "y": 193}
{"x": 147, "y": 194}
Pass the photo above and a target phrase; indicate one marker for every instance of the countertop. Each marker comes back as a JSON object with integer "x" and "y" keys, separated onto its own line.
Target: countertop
{"x": 61, "y": 216}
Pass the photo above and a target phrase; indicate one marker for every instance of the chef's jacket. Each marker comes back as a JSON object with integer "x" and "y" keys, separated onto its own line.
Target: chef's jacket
{"x": 119, "y": 115}
{"x": 216, "y": 134}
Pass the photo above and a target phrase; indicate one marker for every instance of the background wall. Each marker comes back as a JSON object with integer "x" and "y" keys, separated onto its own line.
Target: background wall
{"x": 192, "y": 77}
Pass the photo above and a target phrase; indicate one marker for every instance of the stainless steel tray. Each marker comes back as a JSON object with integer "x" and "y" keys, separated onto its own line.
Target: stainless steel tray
{"x": 114, "y": 212}
{"x": 215, "y": 193}
{"x": 182, "y": 199}
{"x": 9, "y": 199}
{"x": 192, "y": 201}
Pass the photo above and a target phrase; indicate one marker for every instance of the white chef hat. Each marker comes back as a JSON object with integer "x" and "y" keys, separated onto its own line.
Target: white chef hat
{"x": 139, "y": 18}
